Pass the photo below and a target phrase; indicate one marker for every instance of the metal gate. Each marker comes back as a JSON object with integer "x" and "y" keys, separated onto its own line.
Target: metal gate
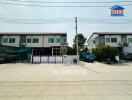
{"x": 47, "y": 59}
{"x": 65, "y": 59}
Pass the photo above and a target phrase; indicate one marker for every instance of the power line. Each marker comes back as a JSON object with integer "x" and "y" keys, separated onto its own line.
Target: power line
{"x": 64, "y": 20}
{"x": 47, "y": 6}
{"x": 69, "y": 2}
{"x": 81, "y": 18}
{"x": 90, "y": 22}
{"x": 35, "y": 5}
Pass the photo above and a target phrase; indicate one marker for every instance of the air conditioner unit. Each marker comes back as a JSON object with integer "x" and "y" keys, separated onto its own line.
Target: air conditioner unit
{"x": 125, "y": 44}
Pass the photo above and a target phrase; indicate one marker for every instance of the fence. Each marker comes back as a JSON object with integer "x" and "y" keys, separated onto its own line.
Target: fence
{"x": 65, "y": 59}
{"x": 15, "y": 54}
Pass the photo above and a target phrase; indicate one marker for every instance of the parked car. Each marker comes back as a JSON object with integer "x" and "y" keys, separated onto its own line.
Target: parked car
{"x": 128, "y": 57}
{"x": 1, "y": 61}
{"x": 87, "y": 57}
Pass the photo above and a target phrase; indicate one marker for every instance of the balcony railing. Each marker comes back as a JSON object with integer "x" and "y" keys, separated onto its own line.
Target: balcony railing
{"x": 64, "y": 44}
{"x": 22, "y": 44}
{"x": 123, "y": 44}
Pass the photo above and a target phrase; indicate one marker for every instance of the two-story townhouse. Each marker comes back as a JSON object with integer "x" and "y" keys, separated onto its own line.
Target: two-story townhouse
{"x": 121, "y": 40}
{"x": 41, "y": 43}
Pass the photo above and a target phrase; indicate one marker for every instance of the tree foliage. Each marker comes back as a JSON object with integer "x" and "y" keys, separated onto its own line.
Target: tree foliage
{"x": 71, "y": 51}
{"x": 81, "y": 41}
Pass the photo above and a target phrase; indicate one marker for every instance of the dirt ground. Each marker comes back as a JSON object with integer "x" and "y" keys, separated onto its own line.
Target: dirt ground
{"x": 88, "y": 81}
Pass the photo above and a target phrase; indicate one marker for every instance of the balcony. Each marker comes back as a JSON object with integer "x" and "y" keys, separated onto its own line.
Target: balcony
{"x": 64, "y": 44}
{"x": 123, "y": 44}
{"x": 22, "y": 44}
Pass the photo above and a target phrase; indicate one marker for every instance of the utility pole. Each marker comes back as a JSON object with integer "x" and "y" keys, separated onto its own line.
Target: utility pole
{"x": 76, "y": 28}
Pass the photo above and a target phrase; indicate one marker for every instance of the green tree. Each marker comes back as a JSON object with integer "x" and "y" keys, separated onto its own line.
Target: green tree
{"x": 71, "y": 51}
{"x": 63, "y": 50}
{"x": 81, "y": 41}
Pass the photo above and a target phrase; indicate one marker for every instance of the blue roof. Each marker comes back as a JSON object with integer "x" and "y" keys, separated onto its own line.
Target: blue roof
{"x": 117, "y": 7}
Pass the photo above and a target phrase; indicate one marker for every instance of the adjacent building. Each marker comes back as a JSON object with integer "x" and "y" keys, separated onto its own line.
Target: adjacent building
{"x": 40, "y": 43}
{"x": 121, "y": 40}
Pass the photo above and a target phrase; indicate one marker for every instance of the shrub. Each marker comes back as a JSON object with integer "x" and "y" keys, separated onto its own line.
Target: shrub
{"x": 104, "y": 52}
{"x": 7, "y": 58}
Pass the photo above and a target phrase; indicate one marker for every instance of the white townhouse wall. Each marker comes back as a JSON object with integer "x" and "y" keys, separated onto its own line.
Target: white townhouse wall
{"x": 93, "y": 42}
{"x": 129, "y": 48}
{"x": 113, "y": 44}
{"x": 40, "y": 41}
{"x": 121, "y": 40}
{"x": 47, "y": 44}
{"x": 130, "y": 43}
{"x": 43, "y": 41}
{"x": 8, "y": 37}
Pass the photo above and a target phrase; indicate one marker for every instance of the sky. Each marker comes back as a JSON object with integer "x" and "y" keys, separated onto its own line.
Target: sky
{"x": 33, "y": 12}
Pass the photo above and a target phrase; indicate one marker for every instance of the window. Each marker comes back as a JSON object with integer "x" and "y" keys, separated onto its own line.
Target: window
{"x": 5, "y": 40}
{"x": 11, "y": 40}
{"x": 35, "y": 40}
{"x": 56, "y": 51}
{"x": 114, "y": 40}
{"x": 0, "y": 39}
{"x": 130, "y": 40}
{"x": 107, "y": 40}
{"x": 57, "y": 40}
{"x": 51, "y": 40}
{"x": 63, "y": 40}
{"x": 102, "y": 40}
{"x": 29, "y": 40}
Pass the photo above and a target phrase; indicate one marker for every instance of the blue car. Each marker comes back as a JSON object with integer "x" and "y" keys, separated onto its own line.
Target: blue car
{"x": 87, "y": 57}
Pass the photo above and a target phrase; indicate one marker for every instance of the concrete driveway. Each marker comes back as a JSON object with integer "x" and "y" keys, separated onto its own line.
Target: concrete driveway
{"x": 90, "y": 81}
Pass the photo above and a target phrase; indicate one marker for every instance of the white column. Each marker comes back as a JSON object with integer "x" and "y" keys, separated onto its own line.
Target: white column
{"x": 52, "y": 51}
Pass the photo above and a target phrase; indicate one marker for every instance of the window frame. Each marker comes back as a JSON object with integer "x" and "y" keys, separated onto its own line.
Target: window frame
{"x": 129, "y": 40}
{"x": 113, "y": 41}
{"x": 28, "y": 40}
{"x": 63, "y": 40}
{"x": 49, "y": 40}
{"x": 3, "y": 40}
{"x": 34, "y": 40}
{"x": 57, "y": 40}
{"x": 107, "y": 40}
{"x": 12, "y": 40}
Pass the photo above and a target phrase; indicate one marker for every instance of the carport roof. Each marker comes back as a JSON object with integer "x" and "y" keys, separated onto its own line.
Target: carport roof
{"x": 113, "y": 33}
{"x": 110, "y": 33}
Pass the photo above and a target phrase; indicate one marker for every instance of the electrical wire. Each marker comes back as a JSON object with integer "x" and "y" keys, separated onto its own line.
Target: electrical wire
{"x": 65, "y": 20}
{"x": 67, "y": 6}
{"x": 69, "y": 2}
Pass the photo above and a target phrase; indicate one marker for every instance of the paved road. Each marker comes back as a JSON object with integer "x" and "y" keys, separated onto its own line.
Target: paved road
{"x": 56, "y": 82}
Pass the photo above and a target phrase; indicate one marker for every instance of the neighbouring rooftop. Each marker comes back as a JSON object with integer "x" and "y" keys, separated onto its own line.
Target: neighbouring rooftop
{"x": 32, "y": 33}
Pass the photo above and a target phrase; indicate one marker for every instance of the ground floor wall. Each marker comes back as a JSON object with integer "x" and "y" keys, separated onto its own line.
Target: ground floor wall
{"x": 127, "y": 49}
{"x": 48, "y": 51}
{"x": 22, "y": 54}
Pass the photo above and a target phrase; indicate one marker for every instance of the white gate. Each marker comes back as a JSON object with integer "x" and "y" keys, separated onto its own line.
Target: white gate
{"x": 65, "y": 59}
